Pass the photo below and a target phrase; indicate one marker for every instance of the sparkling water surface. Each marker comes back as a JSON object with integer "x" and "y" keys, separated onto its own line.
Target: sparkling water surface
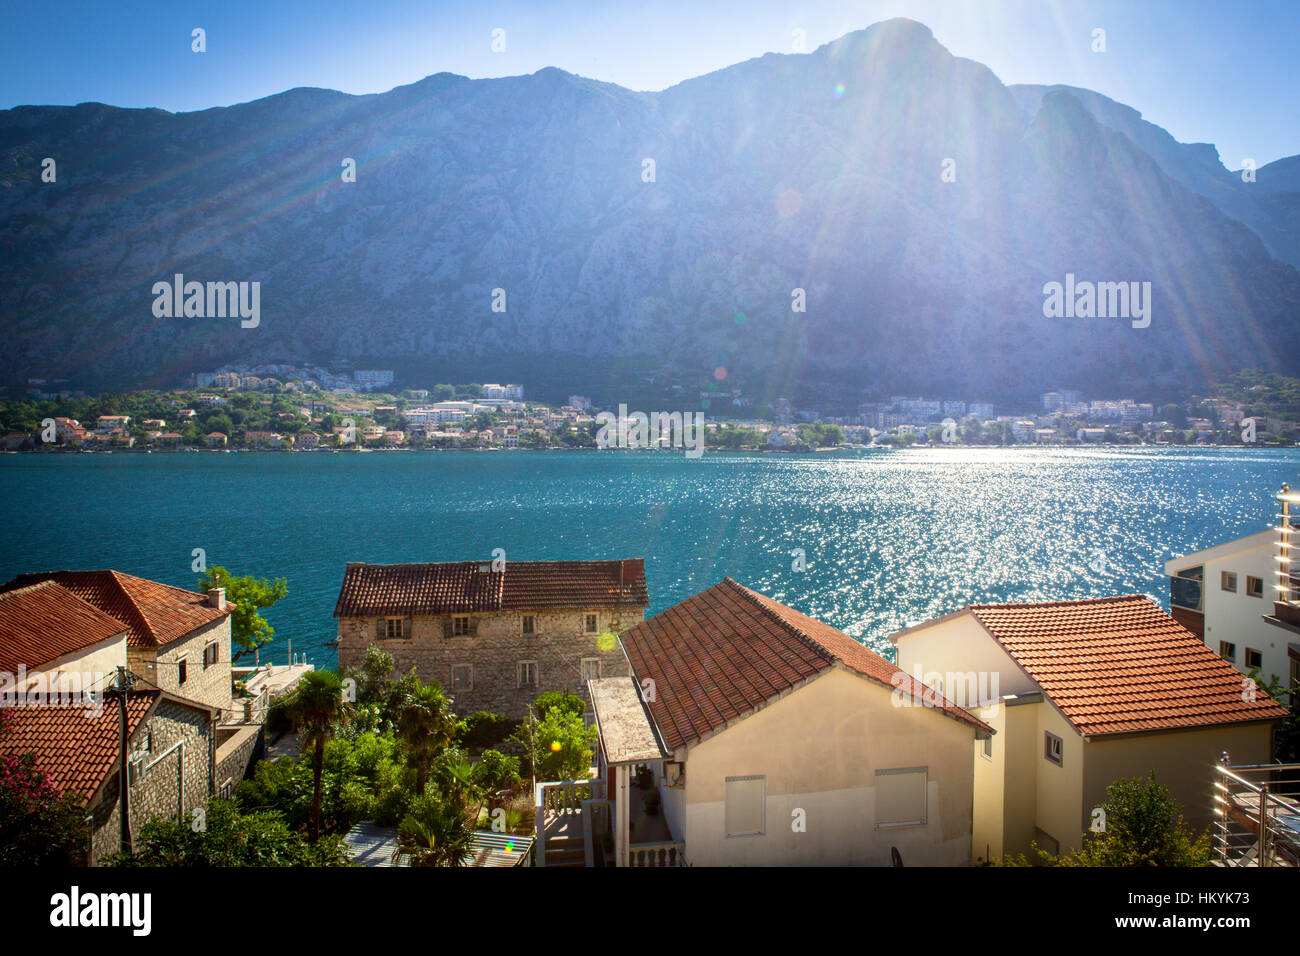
{"x": 889, "y": 537}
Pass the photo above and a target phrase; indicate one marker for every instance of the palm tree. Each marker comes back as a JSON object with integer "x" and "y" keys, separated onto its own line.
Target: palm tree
{"x": 314, "y": 710}
{"x": 435, "y": 833}
{"x": 425, "y": 724}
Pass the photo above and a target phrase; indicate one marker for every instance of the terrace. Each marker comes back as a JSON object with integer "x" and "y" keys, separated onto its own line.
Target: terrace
{"x": 579, "y": 823}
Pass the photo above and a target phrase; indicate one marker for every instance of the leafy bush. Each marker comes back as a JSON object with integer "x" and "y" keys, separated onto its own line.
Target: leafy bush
{"x": 496, "y": 771}
{"x": 560, "y": 744}
{"x": 230, "y": 838}
{"x": 483, "y": 729}
{"x": 562, "y": 700}
{"x": 38, "y": 826}
{"x": 356, "y": 772}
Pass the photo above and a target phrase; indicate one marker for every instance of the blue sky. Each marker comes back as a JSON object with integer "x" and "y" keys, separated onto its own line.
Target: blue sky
{"x": 1206, "y": 71}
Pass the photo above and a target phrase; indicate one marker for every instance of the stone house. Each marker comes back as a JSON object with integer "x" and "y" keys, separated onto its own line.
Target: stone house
{"x": 494, "y": 639}
{"x": 171, "y": 745}
{"x": 177, "y": 640}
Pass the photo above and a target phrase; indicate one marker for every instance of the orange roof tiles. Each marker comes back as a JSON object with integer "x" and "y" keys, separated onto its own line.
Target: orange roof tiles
{"x": 1121, "y": 664}
{"x": 45, "y": 621}
{"x": 723, "y": 652}
{"x": 76, "y": 752}
{"x": 470, "y": 586}
{"x": 155, "y": 614}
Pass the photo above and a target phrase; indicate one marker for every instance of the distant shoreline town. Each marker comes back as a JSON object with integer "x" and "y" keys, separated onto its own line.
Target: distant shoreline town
{"x": 310, "y": 409}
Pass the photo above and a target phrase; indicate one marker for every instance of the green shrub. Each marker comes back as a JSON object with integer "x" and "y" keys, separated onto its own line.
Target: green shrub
{"x": 483, "y": 730}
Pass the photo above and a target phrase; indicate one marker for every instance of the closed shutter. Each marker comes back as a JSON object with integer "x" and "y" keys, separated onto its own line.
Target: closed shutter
{"x": 408, "y": 631}
{"x": 446, "y": 628}
{"x": 473, "y": 627}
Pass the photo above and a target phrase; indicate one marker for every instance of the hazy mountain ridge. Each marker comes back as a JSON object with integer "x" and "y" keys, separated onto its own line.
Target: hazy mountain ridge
{"x": 767, "y": 179}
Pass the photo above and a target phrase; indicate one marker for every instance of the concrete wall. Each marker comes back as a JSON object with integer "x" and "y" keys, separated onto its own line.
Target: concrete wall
{"x": 1239, "y": 618}
{"x": 558, "y": 645}
{"x": 155, "y": 794}
{"x": 92, "y": 666}
{"x": 820, "y": 748}
{"x": 1183, "y": 760}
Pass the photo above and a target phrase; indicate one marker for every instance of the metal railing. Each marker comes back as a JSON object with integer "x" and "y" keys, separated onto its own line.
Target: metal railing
{"x": 1256, "y": 814}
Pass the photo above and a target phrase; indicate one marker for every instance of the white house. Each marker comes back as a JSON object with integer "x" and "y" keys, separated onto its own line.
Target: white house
{"x": 1093, "y": 691}
{"x": 772, "y": 738}
{"x": 1224, "y": 595}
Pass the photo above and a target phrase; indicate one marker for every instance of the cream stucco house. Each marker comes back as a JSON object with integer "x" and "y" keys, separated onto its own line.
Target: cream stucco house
{"x": 1091, "y": 691}
{"x": 771, "y": 738}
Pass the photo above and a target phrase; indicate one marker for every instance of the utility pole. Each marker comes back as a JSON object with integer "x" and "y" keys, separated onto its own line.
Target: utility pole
{"x": 121, "y": 689}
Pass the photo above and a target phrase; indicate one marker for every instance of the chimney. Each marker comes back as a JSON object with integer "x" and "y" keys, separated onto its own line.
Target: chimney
{"x": 217, "y": 598}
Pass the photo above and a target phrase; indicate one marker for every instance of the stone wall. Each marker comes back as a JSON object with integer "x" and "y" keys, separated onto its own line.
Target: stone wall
{"x": 210, "y": 685}
{"x": 491, "y": 654}
{"x": 237, "y": 747}
{"x": 155, "y": 794}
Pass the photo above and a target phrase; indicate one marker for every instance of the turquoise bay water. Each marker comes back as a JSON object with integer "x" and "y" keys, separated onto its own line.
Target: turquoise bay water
{"x": 890, "y": 537}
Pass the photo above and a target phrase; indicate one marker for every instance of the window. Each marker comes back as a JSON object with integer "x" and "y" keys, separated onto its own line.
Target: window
{"x": 590, "y": 669}
{"x": 462, "y": 677}
{"x": 527, "y": 673}
{"x": 211, "y": 655}
{"x": 1053, "y": 749}
{"x": 181, "y": 671}
{"x": 986, "y": 746}
{"x": 1254, "y": 587}
{"x": 460, "y": 625}
{"x": 1254, "y": 659}
{"x": 1227, "y": 650}
{"x": 900, "y": 797}
{"x": 528, "y": 624}
{"x": 591, "y": 624}
{"x": 745, "y": 801}
{"x": 392, "y": 628}
{"x": 1227, "y": 581}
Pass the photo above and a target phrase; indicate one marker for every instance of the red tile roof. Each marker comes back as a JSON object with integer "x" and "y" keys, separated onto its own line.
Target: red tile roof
{"x": 76, "y": 752}
{"x": 156, "y": 614}
{"x": 45, "y": 621}
{"x": 1122, "y": 664}
{"x": 471, "y": 586}
{"x": 724, "y": 652}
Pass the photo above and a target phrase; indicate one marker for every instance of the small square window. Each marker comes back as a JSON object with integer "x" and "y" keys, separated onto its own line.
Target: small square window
{"x": 393, "y": 628}
{"x": 460, "y": 626}
{"x": 1228, "y": 650}
{"x": 527, "y": 673}
{"x": 462, "y": 677}
{"x": 528, "y": 624}
{"x": 591, "y": 624}
{"x": 1254, "y": 587}
{"x": 1254, "y": 659}
{"x": 1228, "y": 581}
{"x": 1053, "y": 749}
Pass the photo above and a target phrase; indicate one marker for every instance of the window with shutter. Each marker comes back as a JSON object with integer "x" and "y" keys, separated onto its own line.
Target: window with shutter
{"x": 900, "y": 797}
{"x": 744, "y": 801}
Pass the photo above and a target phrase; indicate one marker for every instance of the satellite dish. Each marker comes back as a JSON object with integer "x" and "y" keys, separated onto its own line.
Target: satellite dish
{"x": 895, "y": 858}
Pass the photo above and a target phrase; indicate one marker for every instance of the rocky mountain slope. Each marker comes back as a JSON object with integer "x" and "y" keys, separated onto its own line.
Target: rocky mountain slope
{"x": 820, "y": 172}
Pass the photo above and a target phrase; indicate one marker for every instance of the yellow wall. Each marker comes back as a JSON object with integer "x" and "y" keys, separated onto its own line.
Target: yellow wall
{"x": 1183, "y": 761}
{"x": 820, "y": 748}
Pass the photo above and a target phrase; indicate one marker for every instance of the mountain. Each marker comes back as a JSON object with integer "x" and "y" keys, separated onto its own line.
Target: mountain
{"x": 819, "y": 172}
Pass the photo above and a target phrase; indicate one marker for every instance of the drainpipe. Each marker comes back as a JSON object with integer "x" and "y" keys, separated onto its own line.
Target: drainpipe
{"x": 180, "y": 776}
